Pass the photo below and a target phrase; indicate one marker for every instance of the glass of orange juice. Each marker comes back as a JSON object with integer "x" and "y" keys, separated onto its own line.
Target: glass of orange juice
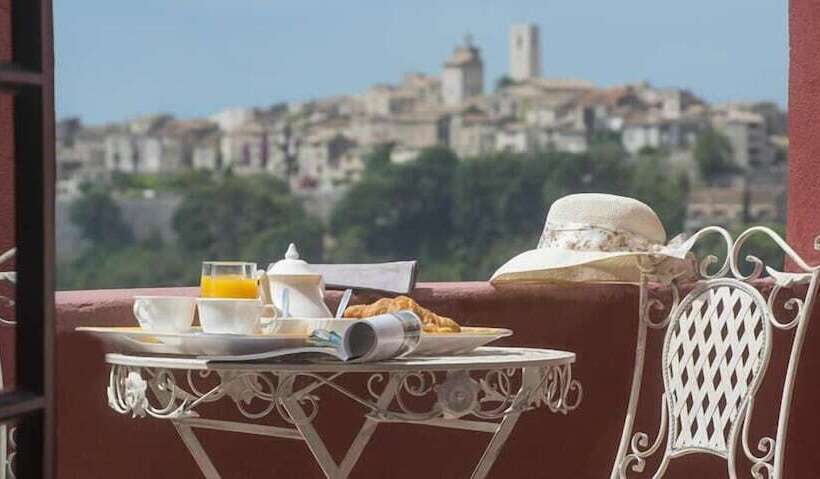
{"x": 228, "y": 279}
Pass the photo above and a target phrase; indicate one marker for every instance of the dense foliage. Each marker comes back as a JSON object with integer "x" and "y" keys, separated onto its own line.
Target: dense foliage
{"x": 461, "y": 218}
{"x": 252, "y": 218}
{"x": 713, "y": 155}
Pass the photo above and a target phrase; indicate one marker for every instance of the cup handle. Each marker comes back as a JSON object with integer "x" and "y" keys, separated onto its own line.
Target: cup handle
{"x": 267, "y": 317}
{"x": 141, "y": 313}
{"x": 264, "y": 286}
{"x": 270, "y": 311}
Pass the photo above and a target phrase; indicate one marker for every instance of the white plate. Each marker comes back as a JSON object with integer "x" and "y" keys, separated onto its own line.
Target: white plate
{"x": 194, "y": 343}
{"x": 442, "y": 344}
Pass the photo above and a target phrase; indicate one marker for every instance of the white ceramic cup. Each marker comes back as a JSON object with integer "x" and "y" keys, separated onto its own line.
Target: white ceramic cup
{"x": 164, "y": 314}
{"x": 230, "y": 316}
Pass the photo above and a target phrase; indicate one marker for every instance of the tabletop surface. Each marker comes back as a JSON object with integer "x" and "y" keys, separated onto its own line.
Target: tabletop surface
{"x": 481, "y": 358}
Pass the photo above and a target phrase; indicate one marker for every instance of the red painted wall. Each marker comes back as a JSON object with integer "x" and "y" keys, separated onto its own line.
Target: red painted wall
{"x": 6, "y": 190}
{"x": 804, "y": 127}
{"x": 598, "y": 322}
{"x": 6, "y": 142}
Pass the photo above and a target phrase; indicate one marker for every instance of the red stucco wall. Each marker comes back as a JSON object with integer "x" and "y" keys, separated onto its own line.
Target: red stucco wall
{"x": 6, "y": 143}
{"x": 804, "y": 126}
{"x": 598, "y": 322}
{"x": 6, "y": 189}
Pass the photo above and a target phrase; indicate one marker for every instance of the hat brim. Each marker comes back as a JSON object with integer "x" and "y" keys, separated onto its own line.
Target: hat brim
{"x": 563, "y": 265}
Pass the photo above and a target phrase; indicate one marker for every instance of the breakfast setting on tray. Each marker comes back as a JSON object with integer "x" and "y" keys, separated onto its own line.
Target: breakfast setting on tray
{"x": 245, "y": 314}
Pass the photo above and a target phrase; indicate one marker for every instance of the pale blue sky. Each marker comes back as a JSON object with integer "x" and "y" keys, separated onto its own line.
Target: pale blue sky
{"x": 121, "y": 58}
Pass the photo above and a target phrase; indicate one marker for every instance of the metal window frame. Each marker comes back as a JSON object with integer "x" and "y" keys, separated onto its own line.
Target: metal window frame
{"x": 29, "y": 77}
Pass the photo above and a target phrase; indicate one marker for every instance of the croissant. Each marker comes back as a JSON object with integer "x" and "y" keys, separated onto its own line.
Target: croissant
{"x": 431, "y": 322}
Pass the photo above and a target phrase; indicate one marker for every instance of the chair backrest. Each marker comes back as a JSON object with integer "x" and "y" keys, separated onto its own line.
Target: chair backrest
{"x": 716, "y": 351}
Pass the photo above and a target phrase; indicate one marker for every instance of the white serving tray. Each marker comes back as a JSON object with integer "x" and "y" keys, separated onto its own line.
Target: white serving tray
{"x": 197, "y": 343}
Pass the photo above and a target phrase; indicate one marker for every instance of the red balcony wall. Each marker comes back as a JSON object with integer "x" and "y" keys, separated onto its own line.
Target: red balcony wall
{"x": 804, "y": 118}
{"x": 598, "y": 322}
{"x": 6, "y": 140}
{"x": 6, "y": 187}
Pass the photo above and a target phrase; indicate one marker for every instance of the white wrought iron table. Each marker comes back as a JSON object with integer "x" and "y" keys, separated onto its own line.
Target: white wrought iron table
{"x": 486, "y": 390}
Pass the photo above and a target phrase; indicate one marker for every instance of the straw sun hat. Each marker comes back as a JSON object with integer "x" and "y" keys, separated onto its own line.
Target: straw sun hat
{"x": 597, "y": 238}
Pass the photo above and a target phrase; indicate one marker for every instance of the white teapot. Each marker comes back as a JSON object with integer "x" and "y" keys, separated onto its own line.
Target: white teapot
{"x": 296, "y": 289}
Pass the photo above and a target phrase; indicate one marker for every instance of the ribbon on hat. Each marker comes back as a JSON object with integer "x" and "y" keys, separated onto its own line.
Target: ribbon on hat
{"x": 588, "y": 237}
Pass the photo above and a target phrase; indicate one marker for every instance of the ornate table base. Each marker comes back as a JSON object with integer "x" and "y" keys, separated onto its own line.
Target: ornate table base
{"x": 492, "y": 399}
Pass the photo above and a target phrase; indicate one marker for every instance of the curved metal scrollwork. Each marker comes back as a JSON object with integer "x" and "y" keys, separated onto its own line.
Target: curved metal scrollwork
{"x": 418, "y": 396}
{"x": 8, "y": 432}
{"x": 559, "y": 392}
{"x": 159, "y": 394}
{"x": 648, "y": 306}
{"x": 725, "y": 324}
{"x": 11, "y": 278}
{"x": 640, "y": 448}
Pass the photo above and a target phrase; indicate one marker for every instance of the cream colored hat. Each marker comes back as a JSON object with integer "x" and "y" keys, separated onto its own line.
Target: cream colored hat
{"x": 598, "y": 238}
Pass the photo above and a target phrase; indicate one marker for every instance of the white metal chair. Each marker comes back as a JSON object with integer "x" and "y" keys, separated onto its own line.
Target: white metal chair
{"x": 7, "y": 445}
{"x": 716, "y": 350}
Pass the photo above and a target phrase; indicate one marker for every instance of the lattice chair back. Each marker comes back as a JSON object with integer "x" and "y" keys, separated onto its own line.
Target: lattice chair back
{"x": 716, "y": 352}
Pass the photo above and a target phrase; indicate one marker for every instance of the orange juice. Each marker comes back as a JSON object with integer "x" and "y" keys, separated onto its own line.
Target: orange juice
{"x": 228, "y": 286}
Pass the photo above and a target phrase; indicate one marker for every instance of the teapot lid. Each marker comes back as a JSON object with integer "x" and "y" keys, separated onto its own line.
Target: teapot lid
{"x": 291, "y": 265}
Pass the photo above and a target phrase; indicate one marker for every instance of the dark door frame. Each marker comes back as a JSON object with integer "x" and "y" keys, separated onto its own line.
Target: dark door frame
{"x": 29, "y": 77}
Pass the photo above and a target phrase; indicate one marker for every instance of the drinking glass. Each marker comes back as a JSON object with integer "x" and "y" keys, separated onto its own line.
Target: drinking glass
{"x": 228, "y": 279}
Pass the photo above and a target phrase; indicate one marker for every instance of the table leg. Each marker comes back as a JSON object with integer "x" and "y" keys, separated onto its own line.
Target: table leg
{"x": 196, "y": 450}
{"x": 369, "y": 427}
{"x": 529, "y": 380}
{"x": 317, "y": 446}
{"x": 314, "y": 441}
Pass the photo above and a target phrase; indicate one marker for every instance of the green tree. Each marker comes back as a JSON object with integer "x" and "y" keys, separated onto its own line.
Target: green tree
{"x": 602, "y": 169}
{"x": 100, "y": 220}
{"x": 401, "y": 211}
{"x": 496, "y": 198}
{"x": 128, "y": 267}
{"x": 378, "y": 158}
{"x": 713, "y": 155}
{"x": 245, "y": 218}
{"x": 653, "y": 184}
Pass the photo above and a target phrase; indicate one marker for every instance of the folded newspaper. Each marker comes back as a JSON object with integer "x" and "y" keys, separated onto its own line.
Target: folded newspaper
{"x": 371, "y": 339}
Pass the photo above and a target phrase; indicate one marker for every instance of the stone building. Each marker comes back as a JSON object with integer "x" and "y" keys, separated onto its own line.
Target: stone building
{"x": 472, "y": 133}
{"x": 80, "y": 153}
{"x": 735, "y": 204}
{"x": 653, "y": 131}
{"x": 247, "y": 148}
{"x": 463, "y": 75}
{"x": 327, "y": 161}
{"x": 154, "y": 144}
{"x": 525, "y": 54}
{"x": 747, "y": 132}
